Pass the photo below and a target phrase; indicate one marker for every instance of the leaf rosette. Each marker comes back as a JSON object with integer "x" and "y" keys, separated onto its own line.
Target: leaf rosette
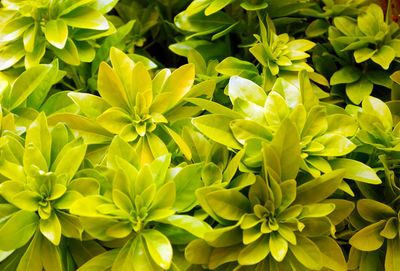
{"x": 39, "y": 189}
{"x": 280, "y": 223}
{"x": 30, "y": 28}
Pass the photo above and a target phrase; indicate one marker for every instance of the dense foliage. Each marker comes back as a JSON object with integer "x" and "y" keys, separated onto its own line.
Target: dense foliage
{"x": 199, "y": 135}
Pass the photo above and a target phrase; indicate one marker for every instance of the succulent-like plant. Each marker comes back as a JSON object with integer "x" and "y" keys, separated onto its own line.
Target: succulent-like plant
{"x": 39, "y": 188}
{"x": 369, "y": 37}
{"x": 137, "y": 108}
{"x": 279, "y": 52}
{"x": 29, "y": 28}
{"x": 137, "y": 209}
{"x": 280, "y": 223}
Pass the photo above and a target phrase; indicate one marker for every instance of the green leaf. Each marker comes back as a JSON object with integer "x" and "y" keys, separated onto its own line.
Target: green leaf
{"x": 51, "y": 229}
{"x": 347, "y": 74}
{"x": 233, "y": 66}
{"x": 343, "y": 209}
{"x": 286, "y": 143}
{"x": 70, "y": 158}
{"x": 384, "y": 56}
{"x": 217, "y": 5}
{"x": 368, "y": 238}
{"x": 214, "y": 107}
{"x": 379, "y": 109}
{"x": 92, "y": 106}
{"x": 278, "y": 246}
{"x": 359, "y": 90}
{"x": 216, "y": 127}
{"x": 363, "y": 54}
{"x": 50, "y": 255}
{"x": 38, "y": 134}
{"x": 244, "y": 129}
{"x": 31, "y": 259}
{"x": 392, "y": 258}
{"x": 68, "y": 54}
{"x": 307, "y": 253}
{"x": 228, "y": 204}
{"x": 374, "y": 211}
{"x": 276, "y": 109}
{"x": 356, "y": 170}
{"x": 110, "y": 87}
{"x": 390, "y": 230}
{"x": 26, "y": 83}
{"x": 100, "y": 262}
{"x": 317, "y": 28}
{"x": 255, "y": 252}
{"x": 198, "y": 252}
{"x": 18, "y": 229}
{"x": 320, "y": 188}
{"x": 56, "y": 33}
{"x": 85, "y": 17}
{"x": 189, "y": 223}
{"x": 159, "y": 247}
{"x": 247, "y": 90}
{"x": 11, "y": 54}
{"x": 177, "y": 85}
{"x": 334, "y": 145}
{"x": 332, "y": 255}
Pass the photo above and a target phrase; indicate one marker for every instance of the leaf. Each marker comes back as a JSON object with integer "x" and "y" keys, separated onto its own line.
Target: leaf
{"x": 255, "y": 252}
{"x": 110, "y": 87}
{"x": 11, "y": 54}
{"x": 384, "y": 56}
{"x": 233, "y": 66}
{"x": 175, "y": 87}
{"x": 374, "y": 211}
{"x": 392, "y": 258}
{"x": 100, "y": 262}
{"x": 332, "y": 255}
{"x": 68, "y": 54}
{"x": 217, "y": 128}
{"x": 228, "y": 204}
{"x": 17, "y": 230}
{"x": 198, "y": 252}
{"x": 276, "y": 109}
{"x": 347, "y": 74}
{"x": 26, "y": 83}
{"x": 334, "y": 145}
{"x": 244, "y": 129}
{"x": 92, "y": 106}
{"x": 185, "y": 188}
{"x": 356, "y": 170}
{"x": 320, "y": 188}
{"x": 307, "y": 253}
{"x": 286, "y": 143}
{"x": 316, "y": 28}
{"x": 363, "y": 54}
{"x": 51, "y": 229}
{"x": 378, "y": 108}
{"x": 180, "y": 142}
{"x": 278, "y": 246}
{"x": 247, "y": 90}
{"x": 56, "y": 33}
{"x": 343, "y": 209}
{"x": 38, "y": 134}
{"x": 159, "y": 247}
{"x": 31, "y": 259}
{"x": 368, "y": 238}
{"x": 359, "y": 90}
{"x": 189, "y": 223}
{"x": 86, "y": 17}
{"x": 70, "y": 158}
{"x": 50, "y": 256}
{"x": 214, "y": 107}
